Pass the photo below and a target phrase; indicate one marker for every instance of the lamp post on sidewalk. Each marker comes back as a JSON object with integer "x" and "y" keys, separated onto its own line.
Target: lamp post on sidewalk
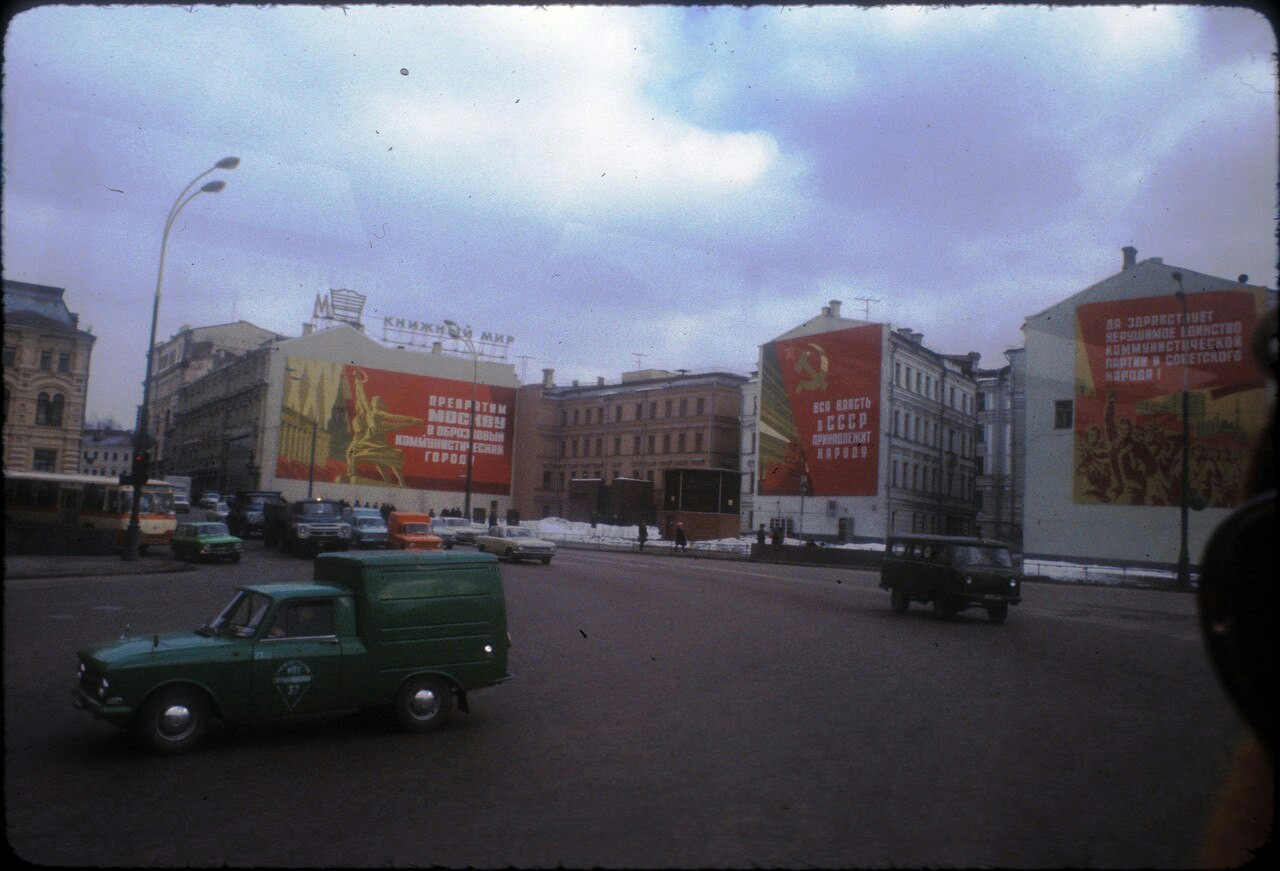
{"x": 1184, "y": 557}
{"x": 315, "y": 430}
{"x": 142, "y": 439}
{"x": 456, "y": 332}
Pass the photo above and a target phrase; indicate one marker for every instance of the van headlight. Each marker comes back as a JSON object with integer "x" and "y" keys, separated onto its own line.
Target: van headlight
{"x": 303, "y": 530}
{"x": 103, "y": 688}
{"x": 968, "y": 580}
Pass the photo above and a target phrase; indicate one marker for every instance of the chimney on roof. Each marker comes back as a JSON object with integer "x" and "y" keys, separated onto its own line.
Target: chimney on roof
{"x": 1130, "y": 256}
{"x": 917, "y": 338}
{"x": 437, "y": 347}
{"x": 548, "y": 378}
{"x": 834, "y": 306}
{"x": 600, "y": 381}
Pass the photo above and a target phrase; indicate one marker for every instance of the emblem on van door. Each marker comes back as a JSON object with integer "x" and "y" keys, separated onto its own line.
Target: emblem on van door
{"x": 292, "y": 680}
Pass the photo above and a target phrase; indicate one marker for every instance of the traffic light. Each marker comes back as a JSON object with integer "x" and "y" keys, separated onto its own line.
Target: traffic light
{"x": 141, "y": 467}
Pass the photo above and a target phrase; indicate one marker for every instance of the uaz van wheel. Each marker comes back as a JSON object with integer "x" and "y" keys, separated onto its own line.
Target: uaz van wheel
{"x": 898, "y": 600}
{"x": 174, "y": 720}
{"x": 424, "y": 703}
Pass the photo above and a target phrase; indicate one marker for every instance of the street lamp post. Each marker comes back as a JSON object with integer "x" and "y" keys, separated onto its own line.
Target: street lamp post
{"x": 315, "y": 430}
{"x": 142, "y": 439}
{"x": 1184, "y": 557}
{"x": 456, "y": 332}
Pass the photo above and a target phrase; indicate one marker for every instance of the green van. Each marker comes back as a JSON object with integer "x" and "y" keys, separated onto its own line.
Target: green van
{"x": 411, "y": 630}
{"x": 952, "y": 573}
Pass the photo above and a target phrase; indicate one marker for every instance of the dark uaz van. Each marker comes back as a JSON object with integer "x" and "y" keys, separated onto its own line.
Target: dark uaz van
{"x": 952, "y": 573}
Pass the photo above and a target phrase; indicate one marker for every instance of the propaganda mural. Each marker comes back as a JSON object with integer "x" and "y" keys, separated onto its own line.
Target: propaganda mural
{"x": 1133, "y": 358}
{"x": 820, "y": 414}
{"x": 392, "y": 429}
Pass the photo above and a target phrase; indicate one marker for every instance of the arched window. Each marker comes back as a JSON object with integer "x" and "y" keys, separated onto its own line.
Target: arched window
{"x": 49, "y": 409}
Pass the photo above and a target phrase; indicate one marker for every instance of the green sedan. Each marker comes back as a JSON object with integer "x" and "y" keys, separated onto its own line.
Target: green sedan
{"x": 196, "y": 541}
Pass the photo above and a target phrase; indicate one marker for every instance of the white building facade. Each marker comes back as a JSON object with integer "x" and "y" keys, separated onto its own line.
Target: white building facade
{"x": 861, "y": 430}
{"x": 336, "y": 414}
{"x": 1106, "y": 370}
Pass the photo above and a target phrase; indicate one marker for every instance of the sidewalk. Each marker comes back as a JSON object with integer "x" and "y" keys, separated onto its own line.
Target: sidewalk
{"x": 17, "y": 567}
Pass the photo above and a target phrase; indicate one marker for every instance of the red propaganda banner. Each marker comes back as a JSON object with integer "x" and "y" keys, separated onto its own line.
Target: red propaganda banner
{"x": 1134, "y": 358}
{"x": 825, "y": 440}
{"x": 395, "y": 429}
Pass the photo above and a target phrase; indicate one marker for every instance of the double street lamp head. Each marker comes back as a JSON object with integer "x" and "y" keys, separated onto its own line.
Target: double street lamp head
{"x": 213, "y": 187}
{"x": 227, "y": 163}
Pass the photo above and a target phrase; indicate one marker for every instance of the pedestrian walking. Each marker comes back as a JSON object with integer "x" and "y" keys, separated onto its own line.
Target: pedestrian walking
{"x": 760, "y": 535}
{"x": 682, "y": 543}
{"x": 643, "y": 535}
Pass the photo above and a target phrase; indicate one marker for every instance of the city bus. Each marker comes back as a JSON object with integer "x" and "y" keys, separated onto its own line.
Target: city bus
{"x": 89, "y": 501}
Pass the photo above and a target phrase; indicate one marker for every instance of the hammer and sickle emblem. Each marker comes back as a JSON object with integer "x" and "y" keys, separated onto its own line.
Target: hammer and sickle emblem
{"x": 816, "y": 380}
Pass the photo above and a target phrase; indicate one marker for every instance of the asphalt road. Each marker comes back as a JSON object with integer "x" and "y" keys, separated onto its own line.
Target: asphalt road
{"x": 665, "y": 712}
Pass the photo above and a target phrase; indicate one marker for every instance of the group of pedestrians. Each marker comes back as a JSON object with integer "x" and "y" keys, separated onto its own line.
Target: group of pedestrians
{"x": 681, "y": 542}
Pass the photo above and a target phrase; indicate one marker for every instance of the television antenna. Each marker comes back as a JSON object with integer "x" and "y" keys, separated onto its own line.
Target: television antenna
{"x": 639, "y": 359}
{"x": 524, "y": 366}
{"x": 866, "y": 305}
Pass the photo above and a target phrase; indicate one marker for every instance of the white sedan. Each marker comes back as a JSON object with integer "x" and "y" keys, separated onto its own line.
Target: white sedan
{"x": 515, "y": 543}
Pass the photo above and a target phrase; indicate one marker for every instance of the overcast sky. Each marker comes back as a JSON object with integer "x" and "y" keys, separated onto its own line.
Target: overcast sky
{"x": 679, "y": 182}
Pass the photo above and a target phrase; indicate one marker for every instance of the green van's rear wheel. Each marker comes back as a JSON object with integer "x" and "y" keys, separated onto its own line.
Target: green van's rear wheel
{"x": 424, "y": 703}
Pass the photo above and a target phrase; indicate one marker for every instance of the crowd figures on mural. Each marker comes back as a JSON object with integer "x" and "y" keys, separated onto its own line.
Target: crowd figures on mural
{"x": 1128, "y": 462}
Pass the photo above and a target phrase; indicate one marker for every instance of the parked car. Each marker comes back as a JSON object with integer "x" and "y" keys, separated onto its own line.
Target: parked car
{"x": 208, "y": 540}
{"x": 181, "y": 503}
{"x": 952, "y": 573}
{"x": 464, "y": 530}
{"x": 515, "y": 543}
{"x": 445, "y": 531}
{"x": 221, "y": 511}
{"x": 368, "y": 529}
{"x": 210, "y": 499}
{"x": 411, "y": 531}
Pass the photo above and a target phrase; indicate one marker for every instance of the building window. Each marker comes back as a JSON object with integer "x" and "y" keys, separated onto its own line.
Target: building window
{"x": 639, "y": 410}
{"x": 653, "y": 409}
{"x": 1062, "y": 414}
{"x": 44, "y": 460}
{"x": 651, "y": 442}
{"x": 546, "y": 479}
{"x": 667, "y": 410}
{"x": 46, "y": 360}
{"x": 49, "y": 410}
{"x": 635, "y": 445}
{"x": 617, "y": 445}
{"x": 617, "y": 413}
{"x": 702, "y": 405}
{"x": 10, "y": 356}
{"x": 575, "y": 417}
{"x": 599, "y": 448}
{"x": 666, "y": 443}
{"x": 64, "y": 362}
{"x": 684, "y": 407}
{"x": 680, "y": 443}
{"x": 697, "y": 442}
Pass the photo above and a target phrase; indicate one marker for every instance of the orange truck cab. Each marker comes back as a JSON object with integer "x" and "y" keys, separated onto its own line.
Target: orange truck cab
{"x": 411, "y": 531}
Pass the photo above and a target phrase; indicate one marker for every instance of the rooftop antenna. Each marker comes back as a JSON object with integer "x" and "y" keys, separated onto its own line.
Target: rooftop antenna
{"x": 524, "y": 366}
{"x": 866, "y": 305}
{"x": 639, "y": 359}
